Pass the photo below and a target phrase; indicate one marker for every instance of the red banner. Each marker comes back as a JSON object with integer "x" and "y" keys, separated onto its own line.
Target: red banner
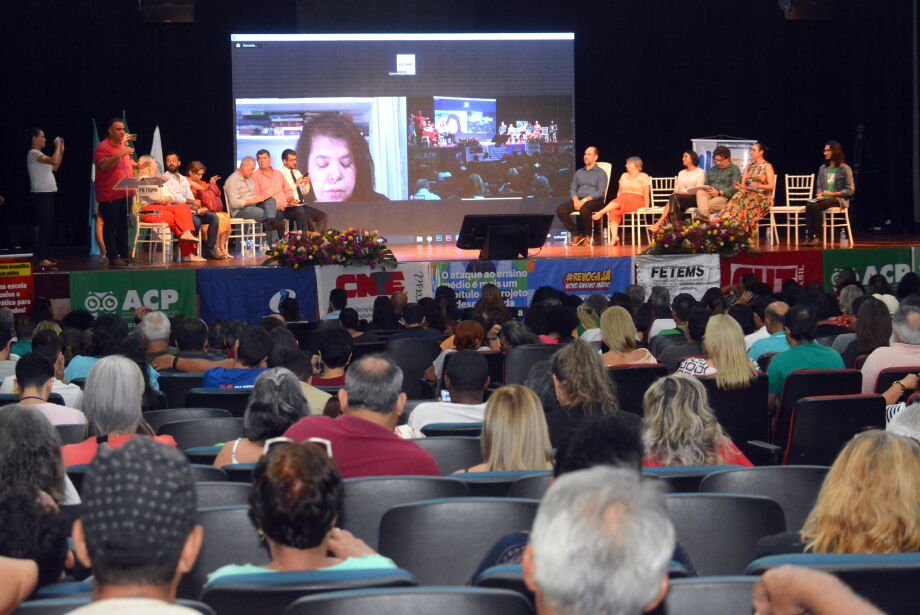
{"x": 17, "y": 287}
{"x": 774, "y": 267}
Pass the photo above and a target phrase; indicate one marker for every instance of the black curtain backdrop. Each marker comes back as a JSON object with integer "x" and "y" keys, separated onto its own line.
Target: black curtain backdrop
{"x": 649, "y": 77}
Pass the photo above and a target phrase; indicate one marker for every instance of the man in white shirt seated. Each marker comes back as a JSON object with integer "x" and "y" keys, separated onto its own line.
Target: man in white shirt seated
{"x": 300, "y": 186}
{"x": 34, "y": 374}
{"x": 466, "y": 379}
{"x": 48, "y": 344}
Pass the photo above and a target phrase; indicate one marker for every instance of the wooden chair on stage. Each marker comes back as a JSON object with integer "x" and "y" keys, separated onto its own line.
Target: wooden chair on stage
{"x": 641, "y": 219}
{"x": 799, "y": 188}
{"x": 837, "y": 218}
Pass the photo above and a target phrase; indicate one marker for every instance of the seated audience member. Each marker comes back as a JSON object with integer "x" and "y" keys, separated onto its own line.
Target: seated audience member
{"x": 34, "y": 379}
{"x": 589, "y": 317}
{"x": 7, "y": 359}
{"x": 672, "y": 355}
{"x": 680, "y": 311}
{"x": 680, "y": 428}
{"x": 879, "y": 285}
{"x": 515, "y": 333}
{"x": 362, "y": 437}
{"x": 32, "y": 527}
{"x": 561, "y": 325}
{"x": 845, "y": 339}
{"x": 251, "y": 352}
{"x": 804, "y": 352}
{"x": 138, "y": 536}
{"x": 468, "y": 335}
{"x": 636, "y": 293}
{"x": 22, "y": 327}
{"x": 714, "y": 300}
{"x": 744, "y": 316}
{"x": 106, "y": 337}
{"x": 845, "y": 298}
{"x": 156, "y": 329}
{"x": 283, "y": 345}
{"x": 112, "y": 403}
{"x": 821, "y": 304}
{"x": 643, "y": 319}
{"x": 350, "y": 321}
{"x": 758, "y": 311}
{"x": 618, "y": 542}
{"x": 48, "y": 345}
{"x": 275, "y": 404}
{"x": 466, "y": 379}
{"x": 192, "y": 340}
{"x": 413, "y": 317}
{"x": 30, "y": 453}
{"x": 300, "y": 365}
{"x": 775, "y": 319}
{"x": 540, "y": 381}
{"x": 874, "y": 331}
{"x": 903, "y": 351}
{"x": 338, "y": 299}
{"x": 272, "y": 322}
{"x": 400, "y": 301}
{"x": 289, "y": 310}
{"x": 294, "y": 503}
{"x": 335, "y": 353}
{"x": 514, "y": 433}
{"x": 582, "y": 388}
{"x": 660, "y": 299}
{"x": 869, "y": 502}
{"x": 383, "y": 317}
{"x": 619, "y": 334}
{"x": 725, "y": 358}
{"x": 491, "y": 305}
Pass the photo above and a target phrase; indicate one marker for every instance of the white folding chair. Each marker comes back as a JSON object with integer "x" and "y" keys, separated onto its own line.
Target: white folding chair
{"x": 837, "y": 218}
{"x": 244, "y": 229}
{"x": 661, "y": 190}
{"x": 799, "y": 188}
{"x": 607, "y": 168}
{"x": 155, "y": 234}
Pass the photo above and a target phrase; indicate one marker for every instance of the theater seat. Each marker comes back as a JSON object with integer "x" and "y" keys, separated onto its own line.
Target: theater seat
{"x": 203, "y": 432}
{"x": 158, "y": 418}
{"x": 495, "y": 484}
{"x": 440, "y": 600}
{"x": 59, "y": 606}
{"x": 232, "y": 400}
{"x": 728, "y": 595}
{"x": 452, "y": 453}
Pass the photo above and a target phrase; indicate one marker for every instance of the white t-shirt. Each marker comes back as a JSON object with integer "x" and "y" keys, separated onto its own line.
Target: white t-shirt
{"x": 41, "y": 175}
{"x": 690, "y": 179}
{"x": 71, "y": 393}
{"x": 60, "y": 415}
{"x": 659, "y": 325}
{"x": 759, "y": 334}
{"x": 446, "y": 412}
{"x": 135, "y": 606}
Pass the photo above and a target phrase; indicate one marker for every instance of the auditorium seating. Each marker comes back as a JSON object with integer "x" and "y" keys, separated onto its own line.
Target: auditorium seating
{"x": 59, "y": 606}
{"x": 888, "y": 375}
{"x": 413, "y": 356}
{"x": 420, "y": 535}
{"x": 202, "y": 473}
{"x": 439, "y": 430}
{"x": 176, "y": 385}
{"x": 532, "y": 487}
{"x": 716, "y": 595}
{"x": 685, "y": 479}
{"x": 158, "y": 418}
{"x": 495, "y": 359}
{"x": 743, "y": 413}
{"x": 452, "y": 453}
{"x": 221, "y": 493}
{"x": 203, "y": 432}
{"x": 72, "y": 434}
{"x": 631, "y": 383}
{"x": 809, "y": 383}
{"x": 521, "y": 358}
{"x": 495, "y": 484}
{"x": 400, "y": 601}
{"x": 232, "y": 400}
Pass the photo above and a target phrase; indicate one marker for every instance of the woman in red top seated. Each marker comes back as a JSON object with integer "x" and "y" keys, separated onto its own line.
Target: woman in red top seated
{"x": 208, "y": 192}
{"x": 680, "y": 428}
{"x": 112, "y": 404}
{"x": 157, "y": 206}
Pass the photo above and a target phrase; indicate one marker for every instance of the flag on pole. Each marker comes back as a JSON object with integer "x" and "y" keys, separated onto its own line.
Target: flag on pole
{"x": 93, "y": 206}
{"x": 156, "y": 150}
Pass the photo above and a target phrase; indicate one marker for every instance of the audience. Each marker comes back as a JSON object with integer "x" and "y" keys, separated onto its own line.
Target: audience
{"x": 413, "y": 317}
{"x": 515, "y": 333}
{"x": 338, "y": 299}
{"x": 34, "y": 379}
{"x": 491, "y": 305}
{"x": 30, "y": 453}
{"x": 7, "y": 359}
{"x": 681, "y": 429}
{"x": 275, "y": 404}
{"x": 32, "y": 527}
{"x": 775, "y": 324}
{"x": 514, "y": 434}
{"x": 873, "y": 330}
{"x": 138, "y": 536}
{"x": 690, "y": 343}
{"x": 289, "y": 310}
{"x": 468, "y": 335}
{"x": 351, "y": 322}
{"x": 842, "y": 341}
{"x": 335, "y": 354}
{"x": 466, "y": 379}
{"x": 400, "y": 301}
{"x": 362, "y": 437}
{"x": 903, "y": 351}
{"x": 561, "y": 325}
{"x": 22, "y": 327}
{"x": 192, "y": 341}
{"x": 725, "y": 357}
{"x": 112, "y": 404}
{"x": 619, "y": 334}
{"x": 156, "y": 328}
{"x": 294, "y": 503}
{"x": 384, "y": 316}
{"x": 589, "y": 317}
{"x": 251, "y": 355}
{"x": 48, "y": 344}
{"x": 804, "y": 352}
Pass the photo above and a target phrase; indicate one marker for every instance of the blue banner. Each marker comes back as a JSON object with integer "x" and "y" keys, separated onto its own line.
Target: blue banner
{"x": 251, "y": 293}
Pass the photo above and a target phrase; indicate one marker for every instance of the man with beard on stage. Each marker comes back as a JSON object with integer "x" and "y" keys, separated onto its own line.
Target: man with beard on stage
{"x": 586, "y": 197}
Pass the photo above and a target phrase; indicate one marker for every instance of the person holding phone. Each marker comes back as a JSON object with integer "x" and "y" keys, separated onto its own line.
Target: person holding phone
{"x": 300, "y": 186}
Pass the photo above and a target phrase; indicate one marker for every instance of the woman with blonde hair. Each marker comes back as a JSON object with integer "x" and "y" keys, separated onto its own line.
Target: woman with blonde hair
{"x": 725, "y": 357}
{"x": 582, "y": 386}
{"x": 619, "y": 333}
{"x": 681, "y": 429}
{"x": 869, "y": 502}
{"x": 514, "y": 434}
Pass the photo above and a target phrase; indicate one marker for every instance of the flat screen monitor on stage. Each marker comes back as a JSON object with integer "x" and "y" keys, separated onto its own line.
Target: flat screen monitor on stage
{"x": 504, "y": 236}
{"x": 383, "y": 122}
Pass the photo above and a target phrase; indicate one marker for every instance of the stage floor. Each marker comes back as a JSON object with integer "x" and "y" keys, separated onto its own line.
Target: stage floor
{"x": 73, "y": 259}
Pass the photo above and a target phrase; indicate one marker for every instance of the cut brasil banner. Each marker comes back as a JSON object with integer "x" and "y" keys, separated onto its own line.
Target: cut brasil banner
{"x": 517, "y": 280}
{"x": 363, "y": 285}
{"x": 122, "y": 292}
{"x": 249, "y": 294}
{"x": 892, "y": 263}
{"x": 693, "y": 273}
{"x": 772, "y": 268}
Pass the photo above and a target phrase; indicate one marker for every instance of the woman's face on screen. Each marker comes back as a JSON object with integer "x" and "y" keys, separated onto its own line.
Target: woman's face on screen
{"x": 332, "y": 169}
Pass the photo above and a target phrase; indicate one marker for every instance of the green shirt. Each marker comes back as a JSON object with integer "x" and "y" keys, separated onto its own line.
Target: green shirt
{"x": 366, "y": 562}
{"x": 807, "y": 355}
{"x": 724, "y": 180}
{"x": 831, "y": 176}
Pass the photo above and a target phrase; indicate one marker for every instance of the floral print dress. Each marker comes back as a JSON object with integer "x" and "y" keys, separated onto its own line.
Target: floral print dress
{"x": 747, "y": 207}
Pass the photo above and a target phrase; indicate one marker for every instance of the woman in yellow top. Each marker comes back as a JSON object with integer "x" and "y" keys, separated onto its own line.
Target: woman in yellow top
{"x": 634, "y": 193}
{"x": 755, "y": 192}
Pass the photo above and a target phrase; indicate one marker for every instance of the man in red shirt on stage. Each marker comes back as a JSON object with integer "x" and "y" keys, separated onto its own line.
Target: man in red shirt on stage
{"x": 362, "y": 438}
{"x": 113, "y": 163}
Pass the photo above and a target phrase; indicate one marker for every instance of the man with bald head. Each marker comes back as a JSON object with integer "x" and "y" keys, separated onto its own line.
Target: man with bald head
{"x": 774, "y": 317}
{"x": 241, "y": 195}
{"x": 400, "y": 300}
{"x": 586, "y": 196}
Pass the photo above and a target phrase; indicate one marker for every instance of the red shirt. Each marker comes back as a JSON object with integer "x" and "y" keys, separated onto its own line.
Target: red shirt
{"x": 729, "y": 455}
{"x": 84, "y": 452}
{"x": 338, "y": 381}
{"x": 362, "y": 448}
{"x": 272, "y": 186}
{"x": 107, "y": 178}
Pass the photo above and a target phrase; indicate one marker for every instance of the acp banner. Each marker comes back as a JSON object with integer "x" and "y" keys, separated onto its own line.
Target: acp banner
{"x": 689, "y": 273}
{"x": 122, "y": 292}
{"x": 892, "y": 263}
{"x": 17, "y": 286}
{"x": 363, "y": 285}
{"x": 773, "y": 267}
{"x": 250, "y": 293}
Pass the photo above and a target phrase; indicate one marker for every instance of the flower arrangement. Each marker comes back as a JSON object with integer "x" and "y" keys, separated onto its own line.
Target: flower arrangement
{"x": 700, "y": 237}
{"x": 332, "y": 247}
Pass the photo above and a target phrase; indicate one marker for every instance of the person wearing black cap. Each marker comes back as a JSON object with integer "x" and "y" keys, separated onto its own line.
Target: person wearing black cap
{"x": 137, "y": 529}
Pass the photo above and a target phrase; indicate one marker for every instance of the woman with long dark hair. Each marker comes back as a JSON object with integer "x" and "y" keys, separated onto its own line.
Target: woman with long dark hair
{"x": 834, "y": 188}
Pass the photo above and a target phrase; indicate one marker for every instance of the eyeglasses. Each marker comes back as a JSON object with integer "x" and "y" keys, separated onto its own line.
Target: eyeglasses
{"x": 323, "y": 442}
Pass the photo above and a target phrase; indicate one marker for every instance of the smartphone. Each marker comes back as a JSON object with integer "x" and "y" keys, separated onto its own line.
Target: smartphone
{"x": 445, "y": 395}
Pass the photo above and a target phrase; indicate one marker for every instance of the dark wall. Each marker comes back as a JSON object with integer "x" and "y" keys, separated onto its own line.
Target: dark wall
{"x": 649, "y": 76}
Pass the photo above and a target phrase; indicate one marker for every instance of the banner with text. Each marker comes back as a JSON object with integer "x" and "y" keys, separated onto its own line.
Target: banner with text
{"x": 363, "y": 285}
{"x": 772, "y": 268}
{"x": 517, "y": 280}
{"x": 17, "y": 286}
{"x": 122, "y": 292}
{"x": 692, "y": 273}
{"x": 249, "y": 294}
{"x": 892, "y": 263}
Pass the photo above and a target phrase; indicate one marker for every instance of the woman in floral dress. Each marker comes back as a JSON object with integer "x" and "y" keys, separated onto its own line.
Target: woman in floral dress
{"x": 755, "y": 192}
